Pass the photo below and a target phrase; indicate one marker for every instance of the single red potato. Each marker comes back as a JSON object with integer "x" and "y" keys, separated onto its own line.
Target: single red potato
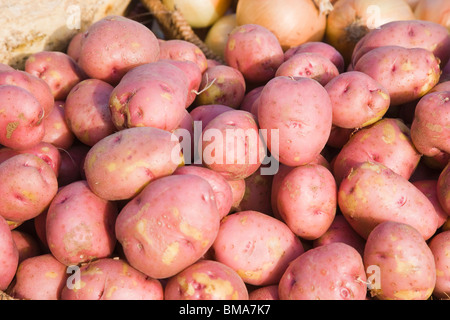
{"x": 440, "y": 246}
{"x": 9, "y": 255}
{"x": 57, "y": 132}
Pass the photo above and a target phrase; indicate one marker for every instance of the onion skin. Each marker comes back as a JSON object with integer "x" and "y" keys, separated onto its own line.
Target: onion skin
{"x": 217, "y": 36}
{"x": 301, "y": 19}
{"x": 350, "y": 20}
{"x": 437, "y": 11}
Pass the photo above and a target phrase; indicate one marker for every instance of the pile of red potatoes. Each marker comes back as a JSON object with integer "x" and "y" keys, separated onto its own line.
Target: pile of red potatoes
{"x": 134, "y": 167}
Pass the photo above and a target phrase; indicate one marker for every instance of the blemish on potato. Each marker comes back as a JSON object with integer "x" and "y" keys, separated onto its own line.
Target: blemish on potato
{"x": 388, "y": 134}
{"x": 111, "y": 291}
{"x": 190, "y": 231}
{"x": 212, "y": 286}
{"x": 10, "y": 128}
{"x": 170, "y": 253}
{"x": 51, "y": 274}
{"x": 231, "y": 44}
{"x": 141, "y": 228}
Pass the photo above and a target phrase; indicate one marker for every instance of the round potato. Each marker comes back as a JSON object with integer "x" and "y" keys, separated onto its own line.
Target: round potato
{"x": 440, "y": 246}
{"x": 168, "y": 226}
{"x": 120, "y": 165}
{"x": 57, "y": 132}
{"x": 112, "y": 279}
{"x": 28, "y": 186}
{"x": 182, "y": 50}
{"x": 334, "y": 271}
{"x": 114, "y": 45}
{"x": 206, "y": 280}
{"x": 399, "y": 263}
{"x": 307, "y": 200}
{"x": 257, "y": 246}
{"x": 80, "y": 225}
{"x": 9, "y": 255}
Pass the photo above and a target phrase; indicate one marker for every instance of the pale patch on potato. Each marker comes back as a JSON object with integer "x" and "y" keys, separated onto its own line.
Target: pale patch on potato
{"x": 51, "y": 274}
{"x": 231, "y": 44}
{"x": 111, "y": 291}
{"x": 212, "y": 286}
{"x": 170, "y": 253}
{"x": 111, "y": 167}
{"x": 190, "y": 231}
{"x": 141, "y": 228}
{"x": 388, "y": 134}
{"x": 249, "y": 274}
{"x": 28, "y": 195}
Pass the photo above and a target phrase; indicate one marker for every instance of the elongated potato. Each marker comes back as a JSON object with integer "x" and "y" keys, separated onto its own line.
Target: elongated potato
{"x": 399, "y": 263}
{"x": 372, "y": 193}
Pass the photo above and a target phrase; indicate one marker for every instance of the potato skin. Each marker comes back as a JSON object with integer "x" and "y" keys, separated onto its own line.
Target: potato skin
{"x": 182, "y": 50}
{"x": 265, "y": 293}
{"x": 358, "y": 100}
{"x": 429, "y": 187}
{"x": 206, "y": 280}
{"x": 9, "y": 255}
{"x": 391, "y": 66}
{"x": 113, "y": 279}
{"x": 87, "y": 112}
{"x": 80, "y": 225}
{"x": 387, "y": 141}
{"x": 133, "y": 44}
{"x": 372, "y": 193}
{"x": 39, "y": 278}
{"x": 28, "y": 186}
{"x": 300, "y": 109}
{"x": 430, "y": 131}
{"x": 254, "y": 51}
{"x": 307, "y": 200}
{"x": 121, "y": 164}
{"x": 402, "y": 261}
{"x": 443, "y": 189}
{"x": 57, "y": 69}
{"x": 21, "y": 116}
{"x": 334, "y": 271}
{"x": 160, "y": 234}
{"x": 57, "y": 132}
{"x": 257, "y": 246}
{"x": 440, "y": 246}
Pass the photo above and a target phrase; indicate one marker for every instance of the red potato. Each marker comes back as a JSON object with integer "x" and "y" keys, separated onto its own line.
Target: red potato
{"x": 277, "y": 181}
{"x": 430, "y": 129}
{"x": 44, "y": 150}
{"x": 206, "y": 280}
{"x": 39, "y": 229}
{"x": 440, "y": 246}
{"x": 57, "y": 132}
{"x": 36, "y": 86}
{"x": 112, "y": 279}
{"x": 258, "y": 188}
{"x": 386, "y": 141}
{"x": 399, "y": 263}
{"x": 299, "y": 111}
{"x": 72, "y": 164}
{"x": 238, "y": 190}
{"x": 358, "y": 100}
{"x": 393, "y": 66}
{"x": 264, "y": 293}
{"x": 222, "y": 189}
{"x": 80, "y": 225}
{"x": 373, "y": 193}
{"x": 307, "y": 200}
{"x": 334, "y": 271}
{"x": 27, "y": 245}
{"x": 168, "y": 227}
{"x": 182, "y": 50}
{"x": 222, "y": 85}
{"x": 309, "y": 65}
{"x": 442, "y": 85}
{"x": 430, "y": 189}
{"x": 231, "y": 145}
{"x": 341, "y": 231}
{"x": 28, "y": 186}
{"x": 443, "y": 189}
{"x": 39, "y": 278}
{"x": 9, "y": 255}
{"x": 21, "y": 118}
{"x": 74, "y": 47}
{"x": 5, "y": 67}
{"x": 87, "y": 112}
{"x": 257, "y": 246}
{"x": 339, "y": 137}
{"x": 113, "y": 45}
{"x": 254, "y": 51}
{"x": 57, "y": 69}
{"x": 322, "y": 48}
{"x": 120, "y": 165}
{"x": 408, "y": 34}
{"x": 250, "y": 99}
{"x": 153, "y": 95}
{"x": 205, "y": 113}
{"x": 193, "y": 74}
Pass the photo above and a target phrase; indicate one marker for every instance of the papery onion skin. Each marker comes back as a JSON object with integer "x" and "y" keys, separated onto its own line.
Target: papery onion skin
{"x": 437, "y": 11}
{"x": 350, "y": 20}
{"x": 294, "y": 22}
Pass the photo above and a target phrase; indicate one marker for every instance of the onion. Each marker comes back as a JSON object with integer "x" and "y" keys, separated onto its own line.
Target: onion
{"x": 199, "y": 13}
{"x": 350, "y": 20}
{"x": 437, "y": 11}
{"x": 412, "y": 3}
{"x": 217, "y": 36}
{"x": 293, "y": 22}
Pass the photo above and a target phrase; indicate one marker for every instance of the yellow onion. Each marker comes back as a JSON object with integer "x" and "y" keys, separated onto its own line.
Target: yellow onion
{"x": 217, "y": 36}
{"x": 293, "y": 22}
{"x": 200, "y": 13}
{"x": 350, "y": 20}
{"x": 437, "y": 11}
